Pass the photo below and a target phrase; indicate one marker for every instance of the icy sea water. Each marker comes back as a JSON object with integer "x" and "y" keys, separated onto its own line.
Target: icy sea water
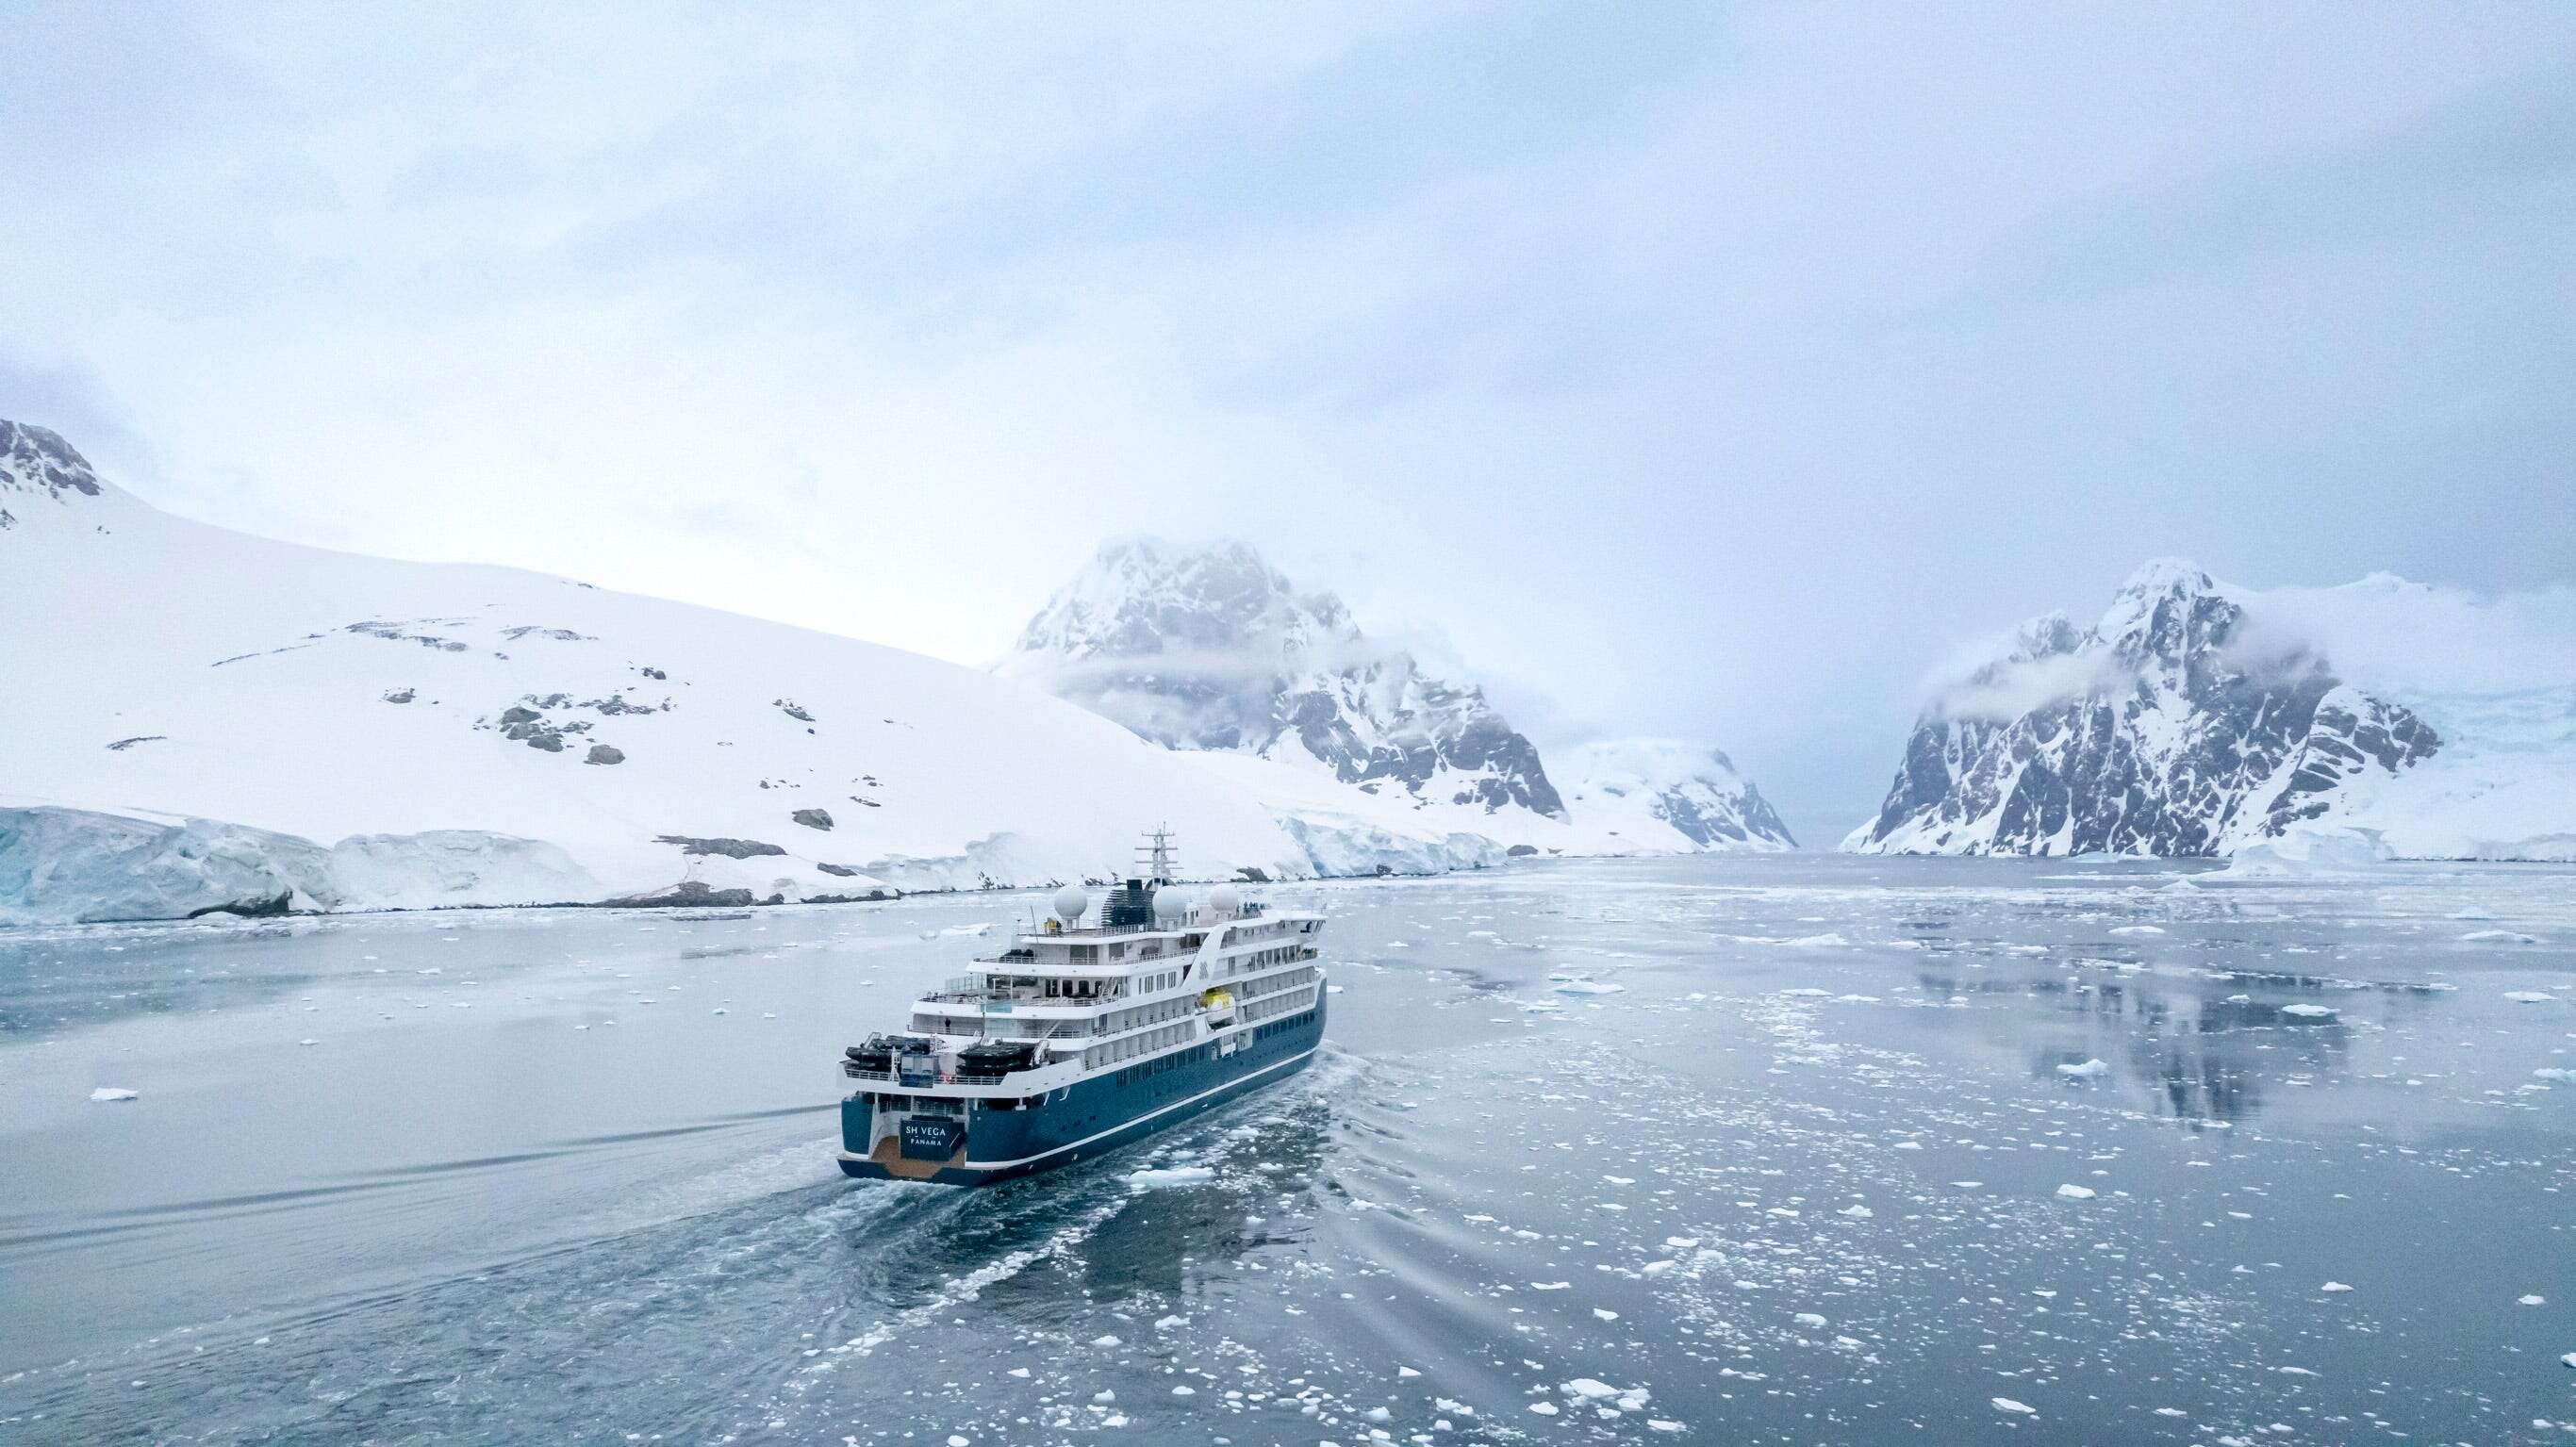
{"x": 1806, "y": 1150}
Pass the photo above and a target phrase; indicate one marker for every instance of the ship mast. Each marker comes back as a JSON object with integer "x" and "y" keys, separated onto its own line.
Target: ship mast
{"x": 1156, "y": 862}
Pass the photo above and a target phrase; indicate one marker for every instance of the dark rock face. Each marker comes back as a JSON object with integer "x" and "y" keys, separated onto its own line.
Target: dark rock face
{"x": 1750, "y": 818}
{"x": 605, "y": 754}
{"x": 36, "y": 459}
{"x": 838, "y": 871}
{"x": 792, "y": 709}
{"x": 729, "y": 848}
{"x": 2171, "y": 743}
{"x": 269, "y": 907}
{"x": 1521, "y": 851}
{"x": 121, "y": 745}
{"x": 690, "y": 893}
{"x": 813, "y": 818}
{"x": 399, "y": 695}
{"x": 1209, "y": 648}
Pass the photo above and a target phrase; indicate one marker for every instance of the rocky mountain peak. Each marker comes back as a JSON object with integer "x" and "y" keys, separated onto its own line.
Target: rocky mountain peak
{"x": 36, "y": 459}
{"x": 2147, "y": 734}
{"x": 1209, "y": 647}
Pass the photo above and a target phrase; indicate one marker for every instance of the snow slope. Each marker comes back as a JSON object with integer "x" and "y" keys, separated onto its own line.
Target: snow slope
{"x": 198, "y": 718}
{"x": 2197, "y": 718}
{"x": 1210, "y": 649}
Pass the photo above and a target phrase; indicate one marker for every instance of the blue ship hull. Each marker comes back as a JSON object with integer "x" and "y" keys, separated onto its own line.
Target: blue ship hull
{"x": 1094, "y": 1116}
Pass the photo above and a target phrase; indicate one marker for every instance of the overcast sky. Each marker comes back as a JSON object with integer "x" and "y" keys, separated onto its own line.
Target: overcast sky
{"x": 1699, "y": 370}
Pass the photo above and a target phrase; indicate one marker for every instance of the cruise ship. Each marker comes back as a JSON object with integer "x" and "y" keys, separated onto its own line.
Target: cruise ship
{"x": 1079, "y": 1039}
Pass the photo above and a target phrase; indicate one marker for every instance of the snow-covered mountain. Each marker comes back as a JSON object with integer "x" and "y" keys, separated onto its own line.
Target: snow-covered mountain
{"x": 1209, "y": 648}
{"x": 1640, "y": 790}
{"x": 194, "y": 718}
{"x": 2196, "y": 718}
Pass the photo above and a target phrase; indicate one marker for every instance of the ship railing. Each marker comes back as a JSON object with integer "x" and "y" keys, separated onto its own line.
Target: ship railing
{"x": 856, "y": 1071}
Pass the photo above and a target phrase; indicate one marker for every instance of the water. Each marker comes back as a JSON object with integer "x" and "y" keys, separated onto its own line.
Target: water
{"x": 1797, "y": 1178}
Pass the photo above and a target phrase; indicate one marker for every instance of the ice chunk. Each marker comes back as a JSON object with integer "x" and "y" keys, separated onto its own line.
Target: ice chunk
{"x": 112, "y": 1092}
{"x": 2007, "y": 1404}
{"x": 2334, "y": 1286}
{"x": 1590, "y": 1389}
{"x": 2529, "y": 997}
{"x": 2139, "y": 929}
{"x": 2532, "y": 1301}
{"x": 1809, "y": 1320}
{"x": 2308, "y": 1012}
{"x": 1544, "y": 1409}
{"x": 2076, "y": 1193}
{"x": 2085, "y": 1071}
{"x": 2498, "y": 937}
{"x": 1153, "y": 1179}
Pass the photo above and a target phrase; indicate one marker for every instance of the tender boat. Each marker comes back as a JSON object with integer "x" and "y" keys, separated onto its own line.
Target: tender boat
{"x": 1077, "y": 1040}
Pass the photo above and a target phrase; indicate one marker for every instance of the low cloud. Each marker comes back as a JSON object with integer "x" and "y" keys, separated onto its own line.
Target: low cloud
{"x": 2408, "y": 639}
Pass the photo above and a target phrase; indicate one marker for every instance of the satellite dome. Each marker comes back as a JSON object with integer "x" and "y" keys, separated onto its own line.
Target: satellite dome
{"x": 1225, "y": 901}
{"x": 1070, "y": 902}
{"x": 1171, "y": 906}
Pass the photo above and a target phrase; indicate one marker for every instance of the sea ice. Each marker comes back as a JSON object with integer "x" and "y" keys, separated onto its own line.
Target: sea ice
{"x": 2085, "y": 1071}
{"x": 2007, "y": 1404}
{"x": 2076, "y": 1193}
{"x": 112, "y": 1092}
{"x": 2308, "y": 1012}
{"x": 2498, "y": 937}
{"x": 2529, "y": 997}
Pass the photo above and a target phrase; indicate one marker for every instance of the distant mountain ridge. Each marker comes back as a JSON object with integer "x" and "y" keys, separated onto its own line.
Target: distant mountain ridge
{"x": 2163, "y": 729}
{"x": 1211, "y": 648}
{"x": 1208, "y": 648}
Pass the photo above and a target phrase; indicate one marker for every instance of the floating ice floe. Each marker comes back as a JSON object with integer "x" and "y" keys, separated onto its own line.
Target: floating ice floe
{"x": 2529, "y": 997}
{"x": 2086, "y": 1070}
{"x": 2498, "y": 937}
{"x": 1587, "y": 987}
{"x": 2334, "y": 1286}
{"x": 2007, "y": 1404}
{"x": 2076, "y": 1193}
{"x": 2139, "y": 929}
{"x": 2552, "y": 1072}
{"x": 1809, "y": 1320}
{"x": 2532, "y": 1301}
{"x": 1544, "y": 1409}
{"x": 2308, "y": 1012}
{"x": 1154, "y": 1177}
{"x": 107, "y": 1093}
